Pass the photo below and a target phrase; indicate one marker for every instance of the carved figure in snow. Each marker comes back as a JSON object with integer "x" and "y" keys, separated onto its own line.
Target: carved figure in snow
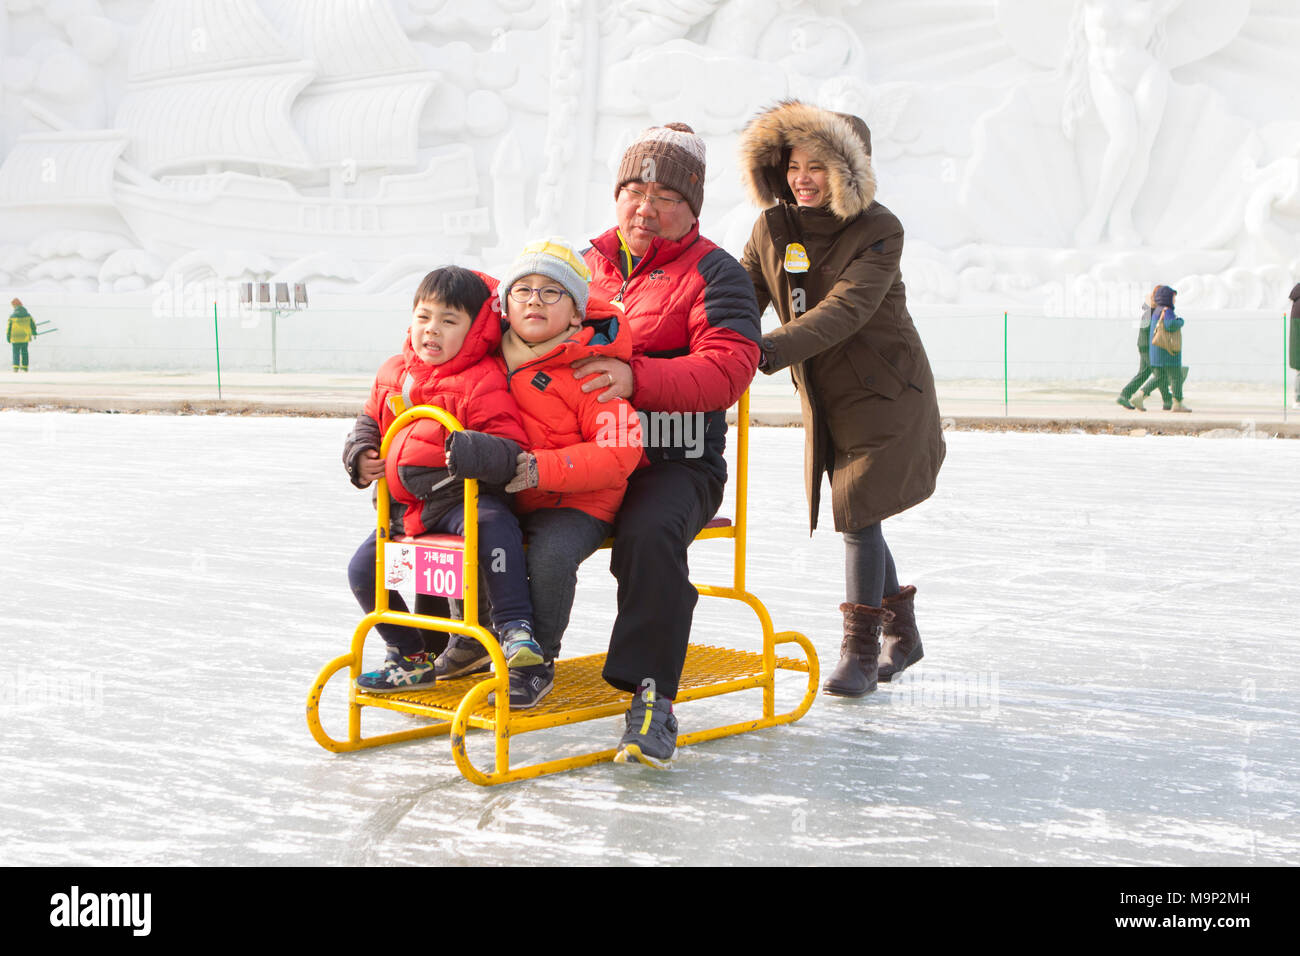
{"x": 1113, "y": 61}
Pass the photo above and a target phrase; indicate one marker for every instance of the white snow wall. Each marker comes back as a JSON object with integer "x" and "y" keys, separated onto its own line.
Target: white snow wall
{"x": 153, "y": 149}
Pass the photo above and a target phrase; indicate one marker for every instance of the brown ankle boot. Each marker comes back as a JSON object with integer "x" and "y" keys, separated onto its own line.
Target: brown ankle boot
{"x": 855, "y": 674}
{"x": 900, "y": 645}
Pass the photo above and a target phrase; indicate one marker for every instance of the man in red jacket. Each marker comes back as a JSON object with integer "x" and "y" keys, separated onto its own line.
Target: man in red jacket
{"x": 695, "y": 331}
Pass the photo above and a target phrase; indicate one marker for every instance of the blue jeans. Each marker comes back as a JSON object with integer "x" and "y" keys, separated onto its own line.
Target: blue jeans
{"x": 502, "y": 569}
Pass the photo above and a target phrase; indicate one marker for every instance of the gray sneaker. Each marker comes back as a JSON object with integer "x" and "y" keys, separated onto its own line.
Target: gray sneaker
{"x": 518, "y": 646}
{"x": 463, "y": 656}
{"x": 651, "y": 736}
{"x": 528, "y": 685}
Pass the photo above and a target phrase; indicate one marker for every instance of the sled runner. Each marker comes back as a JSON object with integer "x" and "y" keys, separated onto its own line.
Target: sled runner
{"x": 437, "y": 565}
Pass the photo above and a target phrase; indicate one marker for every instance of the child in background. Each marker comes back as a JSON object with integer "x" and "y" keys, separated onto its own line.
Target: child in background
{"x": 21, "y": 330}
{"x": 447, "y": 360}
{"x": 571, "y": 483}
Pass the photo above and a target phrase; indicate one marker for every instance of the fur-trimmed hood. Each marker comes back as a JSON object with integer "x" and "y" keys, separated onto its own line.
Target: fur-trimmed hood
{"x": 839, "y": 140}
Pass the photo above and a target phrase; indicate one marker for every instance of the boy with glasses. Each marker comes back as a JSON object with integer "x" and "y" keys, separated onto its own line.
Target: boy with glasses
{"x": 571, "y": 482}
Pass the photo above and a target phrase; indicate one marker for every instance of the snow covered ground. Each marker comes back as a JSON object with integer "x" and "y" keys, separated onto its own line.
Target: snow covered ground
{"x": 1111, "y": 673}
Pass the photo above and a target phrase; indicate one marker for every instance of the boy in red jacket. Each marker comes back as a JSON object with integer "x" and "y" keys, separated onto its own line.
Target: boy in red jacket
{"x": 447, "y": 360}
{"x": 572, "y": 481}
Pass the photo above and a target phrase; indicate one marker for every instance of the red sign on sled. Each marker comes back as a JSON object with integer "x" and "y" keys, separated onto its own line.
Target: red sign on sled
{"x": 438, "y": 571}
{"x": 428, "y": 568}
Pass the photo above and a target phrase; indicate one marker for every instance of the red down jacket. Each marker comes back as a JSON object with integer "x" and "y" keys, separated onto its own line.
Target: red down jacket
{"x": 471, "y": 386}
{"x": 694, "y": 321}
{"x": 585, "y": 450}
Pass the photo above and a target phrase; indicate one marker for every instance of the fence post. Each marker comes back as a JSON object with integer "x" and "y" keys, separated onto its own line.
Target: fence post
{"x": 216, "y": 336}
{"x": 1005, "y": 375}
{"x": 1285, "y": 320}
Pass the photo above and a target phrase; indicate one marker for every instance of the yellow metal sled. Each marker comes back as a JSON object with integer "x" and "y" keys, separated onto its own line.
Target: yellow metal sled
{"x": 455, "y": 706}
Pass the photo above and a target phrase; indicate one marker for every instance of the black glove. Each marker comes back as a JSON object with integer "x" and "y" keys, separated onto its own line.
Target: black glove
{"x": 479, "y": 455}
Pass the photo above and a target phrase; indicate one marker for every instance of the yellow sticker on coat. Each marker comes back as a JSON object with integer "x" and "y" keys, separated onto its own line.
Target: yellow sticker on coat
{"x": 796, "y": 258}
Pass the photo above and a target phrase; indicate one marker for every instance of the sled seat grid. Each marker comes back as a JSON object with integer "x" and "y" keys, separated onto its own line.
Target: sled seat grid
{"x": 580, "y": 692}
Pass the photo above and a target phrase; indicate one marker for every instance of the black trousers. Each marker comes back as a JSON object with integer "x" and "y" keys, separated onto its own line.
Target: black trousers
{"x": 666, "y": 506}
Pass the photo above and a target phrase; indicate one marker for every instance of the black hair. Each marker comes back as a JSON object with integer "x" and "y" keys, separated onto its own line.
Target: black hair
{"x": 779, "y": 176}
{"x": 453, "y": 286}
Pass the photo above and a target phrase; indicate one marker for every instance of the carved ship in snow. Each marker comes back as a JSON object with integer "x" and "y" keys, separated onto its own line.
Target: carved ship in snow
{"x": 293, "y": 131}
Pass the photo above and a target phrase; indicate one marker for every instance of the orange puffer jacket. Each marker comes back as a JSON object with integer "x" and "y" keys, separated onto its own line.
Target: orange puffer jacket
{"x": 585, "y": 449}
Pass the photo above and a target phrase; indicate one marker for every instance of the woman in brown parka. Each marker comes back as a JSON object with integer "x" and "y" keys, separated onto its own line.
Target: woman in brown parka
{"x": 826, "y": 255}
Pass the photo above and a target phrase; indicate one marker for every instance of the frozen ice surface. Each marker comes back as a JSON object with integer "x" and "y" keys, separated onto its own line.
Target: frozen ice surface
{"x": 1110, "y": 675}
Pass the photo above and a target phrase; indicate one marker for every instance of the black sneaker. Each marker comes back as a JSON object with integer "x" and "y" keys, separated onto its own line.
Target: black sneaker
{"x": 528, "y": 685}
{"x": 463, "y": 655}
{"x": 651, "y": 736}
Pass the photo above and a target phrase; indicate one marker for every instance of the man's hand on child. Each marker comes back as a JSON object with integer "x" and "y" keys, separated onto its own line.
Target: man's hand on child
{"x": 525, "y": 473}
{"x": 370, "y": 466}
{"x": 612, "y": 377}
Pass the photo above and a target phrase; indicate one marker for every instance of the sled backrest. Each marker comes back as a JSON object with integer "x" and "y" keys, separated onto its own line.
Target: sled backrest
{"x": 435, "y": 563}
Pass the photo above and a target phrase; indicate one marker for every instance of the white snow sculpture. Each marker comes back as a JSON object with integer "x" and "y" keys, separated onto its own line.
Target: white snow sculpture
{"x": 1024, "y": 143}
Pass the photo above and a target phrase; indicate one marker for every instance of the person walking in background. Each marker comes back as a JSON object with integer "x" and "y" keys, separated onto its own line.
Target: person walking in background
{"x": 1294, "y": 348}
{"x": 1166, "y": 350}
{"x": 22, "y": 329}
{"x": 1145, "y": 381}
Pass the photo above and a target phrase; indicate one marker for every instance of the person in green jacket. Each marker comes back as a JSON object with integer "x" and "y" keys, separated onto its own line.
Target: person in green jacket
{"x": 1294, "y": 356}
{"x": 22, "y": 329}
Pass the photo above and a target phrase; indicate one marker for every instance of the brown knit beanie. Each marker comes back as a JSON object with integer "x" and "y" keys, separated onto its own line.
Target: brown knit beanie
{"x": 670, "y": 155}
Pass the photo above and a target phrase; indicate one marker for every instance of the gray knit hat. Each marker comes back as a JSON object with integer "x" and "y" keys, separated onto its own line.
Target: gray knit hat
{"x": 555, "y": 259}
{"x": 672, "y": 156}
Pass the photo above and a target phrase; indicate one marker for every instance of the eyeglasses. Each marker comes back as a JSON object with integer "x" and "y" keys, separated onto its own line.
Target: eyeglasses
{"x": 656, "y": 202}
{"x": 548, "y": 294}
